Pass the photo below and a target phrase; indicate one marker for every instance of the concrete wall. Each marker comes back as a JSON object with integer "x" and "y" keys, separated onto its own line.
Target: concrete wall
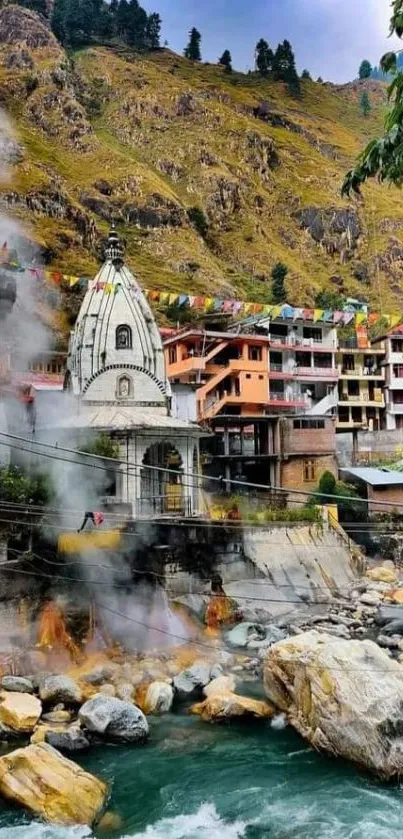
{"x": 391, "y": 495}
{"x": 371, "y": 446}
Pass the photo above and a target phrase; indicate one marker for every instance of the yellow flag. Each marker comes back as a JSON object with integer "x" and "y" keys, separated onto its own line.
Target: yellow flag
{"x": 318, "y": 314}
{"x": 395, "y": 319}
{"x": 360, "y": 318}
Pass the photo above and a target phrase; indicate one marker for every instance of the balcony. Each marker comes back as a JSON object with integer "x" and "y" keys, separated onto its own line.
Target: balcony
{"x": 284, "y": 400}
{"x": 317, "y": 372}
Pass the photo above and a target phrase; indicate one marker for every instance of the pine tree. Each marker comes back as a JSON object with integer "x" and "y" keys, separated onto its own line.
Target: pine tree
{"x": 277, "y": 276}
{"x": 58, "y": 20}
{"x": 226, "y": 61}
{"x": 39, "y": 6}
{"x": 284, "y": 68}
{"x": 263, "y": 57}
{"x": 192, "y": 51}
{"x": 306, "y": 75}
{"x": 319, "y": 80}
{"x": 365, "y": 70}
{"x": 153, "y": 31}
{"x": 365, "y": 104}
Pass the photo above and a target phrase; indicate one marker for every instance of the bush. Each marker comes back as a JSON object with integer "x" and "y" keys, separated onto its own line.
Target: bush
{"x": 198, "y": 220}
{"x": 103, "y": 446}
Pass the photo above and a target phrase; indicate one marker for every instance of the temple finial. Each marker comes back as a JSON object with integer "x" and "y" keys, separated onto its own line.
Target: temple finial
{"x": 114, "y": 247}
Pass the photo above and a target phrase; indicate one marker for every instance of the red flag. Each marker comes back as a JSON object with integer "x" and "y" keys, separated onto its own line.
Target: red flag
{"x": 98, "y": 518}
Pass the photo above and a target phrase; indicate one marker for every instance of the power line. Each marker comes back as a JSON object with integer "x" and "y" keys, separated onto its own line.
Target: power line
{"x": 196, "y": 476}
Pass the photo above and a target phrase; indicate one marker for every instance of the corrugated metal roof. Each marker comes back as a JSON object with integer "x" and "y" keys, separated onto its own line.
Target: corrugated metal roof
{"x": 375, "y": 477}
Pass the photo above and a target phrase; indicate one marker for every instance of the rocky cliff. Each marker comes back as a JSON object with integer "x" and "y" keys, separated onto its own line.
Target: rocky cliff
{"x": 212, "y": 177}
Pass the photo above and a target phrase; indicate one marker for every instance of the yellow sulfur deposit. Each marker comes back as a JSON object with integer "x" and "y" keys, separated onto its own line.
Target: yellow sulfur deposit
{"x": 75, "y": 543}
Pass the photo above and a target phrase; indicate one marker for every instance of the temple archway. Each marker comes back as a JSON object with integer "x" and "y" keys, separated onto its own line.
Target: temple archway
{"x": 162, "y": 491}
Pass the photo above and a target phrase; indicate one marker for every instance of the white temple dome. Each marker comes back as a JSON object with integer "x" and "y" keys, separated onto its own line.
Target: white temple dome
{"x": 116, "y": 354}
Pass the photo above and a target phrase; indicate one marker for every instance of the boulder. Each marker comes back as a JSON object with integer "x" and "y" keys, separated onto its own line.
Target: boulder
{"x": 345, "y": 697}
{"x": 227, "y": 705}
{"x": 17, "y": 684}
{"x": 244, "y": 633}
{"x": 371, "y": 598}
{"x": 60, "y": 689}
{"x": 382, "y": 574}
{"x": 57, "y": 716}
{"x": 19, "y": 712}
{"x": 72, "y": 739}
{"x": 114, "y": 719}
{"x": 108, "y": 690}
{"x": 191, "y": 681}
{"x": 124, "y": 690}
{"x": 223, "y": 684}
{"x": 99, "y": 675}
{"x": 396, "y": 595}
{"x": 159, "y": 698}
{"x": 50, "y": 786}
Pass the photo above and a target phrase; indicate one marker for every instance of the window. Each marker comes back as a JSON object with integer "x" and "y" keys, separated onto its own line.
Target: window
{"x": 248, "y": 376}
{"x": 309, "y": 424}
{"x": 123, "y": 338}
{"x": 172, "y": 355}
{"x": 255, "y": 353}
{"x": 124, "y": 387}
{"x": 261, "y": 378}
{"x": 309, "y": 470}
{"x": 310, "y": 333}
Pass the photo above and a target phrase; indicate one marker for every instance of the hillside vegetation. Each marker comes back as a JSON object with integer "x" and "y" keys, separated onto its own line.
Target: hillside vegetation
{"x": 212, "y": 177}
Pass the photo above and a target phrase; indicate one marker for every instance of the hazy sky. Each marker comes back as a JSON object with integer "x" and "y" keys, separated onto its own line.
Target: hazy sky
{"x": 330, "y": 37}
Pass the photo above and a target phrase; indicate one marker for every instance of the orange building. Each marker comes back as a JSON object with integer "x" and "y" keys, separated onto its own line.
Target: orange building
{"x": 250, "y": 388}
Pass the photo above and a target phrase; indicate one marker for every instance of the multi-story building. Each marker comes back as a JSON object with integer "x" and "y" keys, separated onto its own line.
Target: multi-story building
{"x": 393, "y": 365}
{"x": 253, "y": 383}
{"x": 361, "y": 384}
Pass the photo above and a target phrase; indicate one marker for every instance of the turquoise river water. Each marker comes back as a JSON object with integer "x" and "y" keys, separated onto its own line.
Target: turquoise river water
{"x": 196, "y": 781}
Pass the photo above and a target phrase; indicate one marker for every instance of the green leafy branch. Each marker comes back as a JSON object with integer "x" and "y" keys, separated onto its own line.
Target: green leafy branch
{"x": 383, "y": 158}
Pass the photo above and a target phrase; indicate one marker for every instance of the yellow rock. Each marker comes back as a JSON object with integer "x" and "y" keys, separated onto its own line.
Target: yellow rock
{"x": 224, "y": 706}
{"x": 382, "y": 575}
{"x": 19, "y": 711}
{"x": 222, "y": 684}
{"x": 395, "y": 595}
{"x": 110, "y": 821}
{"x": 40, "y": 731}
{"x": 51, "y": 786}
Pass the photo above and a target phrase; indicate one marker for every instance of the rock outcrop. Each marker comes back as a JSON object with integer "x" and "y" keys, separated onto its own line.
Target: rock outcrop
{"x": 158, "y": 698}
{"x": 50, "y": 786}
{"x": 21, "y": 26}
{"x": 345, "y": 697}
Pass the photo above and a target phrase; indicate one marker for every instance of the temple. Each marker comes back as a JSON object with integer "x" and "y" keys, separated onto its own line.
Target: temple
{"x": 116, "y": 375}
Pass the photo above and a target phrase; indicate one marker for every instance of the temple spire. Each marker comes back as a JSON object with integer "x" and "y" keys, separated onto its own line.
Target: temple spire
{"x": 114, "y": 250}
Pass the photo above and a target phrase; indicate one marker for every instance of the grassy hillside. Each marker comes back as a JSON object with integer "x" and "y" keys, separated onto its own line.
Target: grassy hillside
{"x": 145, "y": 140}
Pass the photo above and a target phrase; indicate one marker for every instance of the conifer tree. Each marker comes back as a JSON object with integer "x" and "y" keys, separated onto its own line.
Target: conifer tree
{"x": 277, "y": 276}
{"x": 226, "y": 61}
{"x": 153, "y": 31}
{"x": 306, "y": 75}
{"x": 263, "y": 57}
{"x": 284, "y": 67}
{"x": 365, "y": 104}
{"x": 39, "y": 6}
{"x": 192, "y": 51}
{"x": 365, "y": 70}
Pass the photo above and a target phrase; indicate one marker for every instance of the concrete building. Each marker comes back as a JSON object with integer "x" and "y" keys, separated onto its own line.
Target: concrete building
{"x": 361, "y": 403}
{"x": 383, "y": 487}
{"x": 260, "y": 402}
{"x": 393, "y": 365}
{"x": 118, "y": 385}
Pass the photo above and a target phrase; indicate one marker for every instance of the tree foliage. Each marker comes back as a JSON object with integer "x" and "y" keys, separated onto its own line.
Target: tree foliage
{"x": 365, "y": 70}
{"x": 383, "y": 158}
{"x": 16, "y": 487}
{"x": 365, "y": 104}
{"x": 284, "y": 69}
{"x": 306, "y": 75}
{"x": 226, "y": 61}
{"x": 78, "y": 22}
{"x": 193, "y": 51}
{"x": 278, "y": 275}
{"x": 349, "y": 504}
{"x": 263, "y": 57}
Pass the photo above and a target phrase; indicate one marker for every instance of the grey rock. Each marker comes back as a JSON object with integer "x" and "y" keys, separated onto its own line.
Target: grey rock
{"x": 17, "y": 684}
{"x": 190, "y": 682}
{"x": 371, "y": 598}
{"x": 385, "y": 641}
{"x": 71, "y": 740}
{"x": 114, "y": 719}
{"x": 60, "y": 689}
{"x": 99, "y": 675}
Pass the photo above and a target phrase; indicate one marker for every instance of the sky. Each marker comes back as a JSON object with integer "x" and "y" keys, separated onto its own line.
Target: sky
{"x": 330, "y": 37}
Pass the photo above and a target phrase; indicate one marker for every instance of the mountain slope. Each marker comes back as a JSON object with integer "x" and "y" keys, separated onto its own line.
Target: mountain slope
{"x": 104, "y": 134}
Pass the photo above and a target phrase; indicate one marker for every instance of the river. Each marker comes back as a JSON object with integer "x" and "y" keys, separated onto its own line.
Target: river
{"x": 196, "y": 781}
